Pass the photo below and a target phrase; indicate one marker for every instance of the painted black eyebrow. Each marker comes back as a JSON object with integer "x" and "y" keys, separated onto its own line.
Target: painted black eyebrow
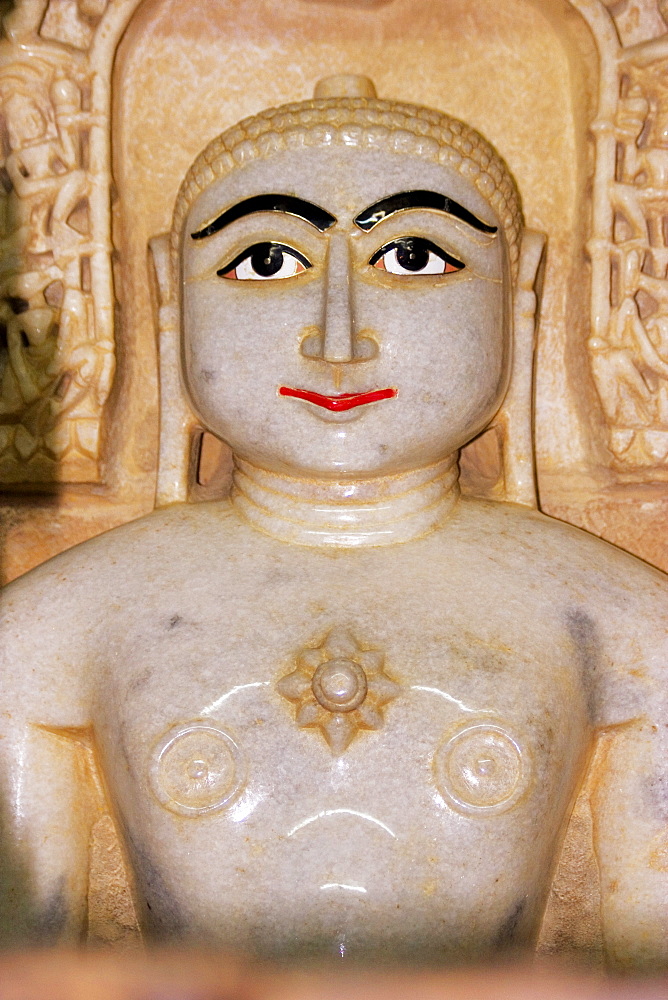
{"x": 370, "y": 217}
{"x": 317, "y": 217}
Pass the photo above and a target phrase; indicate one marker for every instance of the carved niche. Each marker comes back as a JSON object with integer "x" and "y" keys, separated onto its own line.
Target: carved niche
{"x": 58, "y": 357}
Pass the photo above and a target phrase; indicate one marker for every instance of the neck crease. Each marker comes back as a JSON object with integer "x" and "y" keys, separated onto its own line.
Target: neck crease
{"x": 384, "y": 510}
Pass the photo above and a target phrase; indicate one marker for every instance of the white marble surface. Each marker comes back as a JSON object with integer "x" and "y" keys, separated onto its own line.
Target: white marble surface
{"x": 345, "y": 749}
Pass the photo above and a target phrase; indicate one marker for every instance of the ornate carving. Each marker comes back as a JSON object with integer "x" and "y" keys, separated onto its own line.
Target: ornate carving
{"x": 340, "y": 688}
{"x": 482, "y": 768}
{"x": 197, "y": 768}
{"x": 57, "y": 359}
{"x": 629, "y": 251}
{"x": 638, "y": 20}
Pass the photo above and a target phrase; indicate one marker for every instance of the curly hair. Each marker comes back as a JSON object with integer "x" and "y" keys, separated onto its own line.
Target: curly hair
{"x": 368, "y": 123}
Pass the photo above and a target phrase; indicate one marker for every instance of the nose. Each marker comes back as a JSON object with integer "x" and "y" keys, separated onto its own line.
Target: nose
{"x": 338, "y": 317}
{"x": 338, "y": 341}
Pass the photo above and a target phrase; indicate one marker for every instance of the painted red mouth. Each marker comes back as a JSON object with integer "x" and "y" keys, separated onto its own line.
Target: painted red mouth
{"x": 344, "y": 401}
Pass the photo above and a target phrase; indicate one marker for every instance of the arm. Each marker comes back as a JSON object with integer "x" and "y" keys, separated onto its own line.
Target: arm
{"x": 630, "y": 785}
{"x": 47, "y": 800}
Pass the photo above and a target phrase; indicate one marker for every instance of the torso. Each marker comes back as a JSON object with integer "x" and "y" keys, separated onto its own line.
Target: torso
{"x": 434, "y": 832}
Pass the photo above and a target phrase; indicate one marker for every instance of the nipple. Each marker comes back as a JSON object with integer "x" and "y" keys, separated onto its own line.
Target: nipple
{"x": 344, "y": 85}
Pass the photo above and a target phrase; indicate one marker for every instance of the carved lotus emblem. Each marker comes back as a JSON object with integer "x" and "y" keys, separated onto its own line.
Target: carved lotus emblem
{"x": 340, "y": 688}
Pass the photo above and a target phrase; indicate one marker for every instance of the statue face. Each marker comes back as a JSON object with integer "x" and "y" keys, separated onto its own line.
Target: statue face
{"x": 345, "y": 311}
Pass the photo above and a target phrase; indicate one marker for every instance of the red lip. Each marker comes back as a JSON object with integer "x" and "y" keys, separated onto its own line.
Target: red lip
{"x": 345, "y": 401}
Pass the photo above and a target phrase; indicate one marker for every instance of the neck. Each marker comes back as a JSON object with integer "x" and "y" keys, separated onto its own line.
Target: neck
{"x": 384, "y": 510}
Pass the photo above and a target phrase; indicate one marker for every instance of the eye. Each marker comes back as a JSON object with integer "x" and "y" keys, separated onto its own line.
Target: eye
{"x": 414, "y": 255}
{"x": 263, "y": 261}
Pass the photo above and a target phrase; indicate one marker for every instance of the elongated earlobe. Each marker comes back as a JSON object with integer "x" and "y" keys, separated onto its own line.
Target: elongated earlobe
{"x": 515, "y": 418}
{"x": 179, "y": 428}
{"x": 500, "y": 463}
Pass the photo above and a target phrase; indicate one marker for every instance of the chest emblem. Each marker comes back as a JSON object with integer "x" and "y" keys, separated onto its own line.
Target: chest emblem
{"x": 482, "y": 767}
{"x": 340, "y": 688}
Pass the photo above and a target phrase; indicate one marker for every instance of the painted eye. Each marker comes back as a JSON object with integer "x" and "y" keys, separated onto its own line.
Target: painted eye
{"x": 414, "y": 255}
{"x": 264, "y": 261}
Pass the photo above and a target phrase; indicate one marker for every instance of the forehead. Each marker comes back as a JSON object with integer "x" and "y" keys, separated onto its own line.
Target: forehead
{"x": 344, "y": 181}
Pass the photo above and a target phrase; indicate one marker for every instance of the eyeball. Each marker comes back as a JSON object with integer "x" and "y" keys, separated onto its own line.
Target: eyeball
{"x": 414, "y": 255}
{"x": 265, "y": 262}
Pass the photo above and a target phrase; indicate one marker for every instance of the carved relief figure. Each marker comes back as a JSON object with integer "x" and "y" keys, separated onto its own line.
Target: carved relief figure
{"x": 58, "y": 363}
{"x": 345, "y": 711}
{"x": 630, "y": 362}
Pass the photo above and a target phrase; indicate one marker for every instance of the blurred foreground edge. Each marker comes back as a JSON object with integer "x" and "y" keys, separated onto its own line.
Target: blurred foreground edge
{"x": 186, "y": 975}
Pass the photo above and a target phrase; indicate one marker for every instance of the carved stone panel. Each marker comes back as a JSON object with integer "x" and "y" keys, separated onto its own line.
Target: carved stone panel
{"x": 57, "y": 360}
{"x": 628, "y": 344}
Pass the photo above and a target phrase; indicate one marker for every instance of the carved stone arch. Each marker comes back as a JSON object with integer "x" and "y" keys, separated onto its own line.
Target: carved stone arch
{"x": 66, "y": 420}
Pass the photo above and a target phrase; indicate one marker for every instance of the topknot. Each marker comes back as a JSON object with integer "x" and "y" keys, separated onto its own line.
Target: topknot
{"x": 369, "y": 123}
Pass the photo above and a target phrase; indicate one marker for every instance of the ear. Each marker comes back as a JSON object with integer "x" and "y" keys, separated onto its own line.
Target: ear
{"x": 515, "y": 418}
{"x": 179, "y": 428}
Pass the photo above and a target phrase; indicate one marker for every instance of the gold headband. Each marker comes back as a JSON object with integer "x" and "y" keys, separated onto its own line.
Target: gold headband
{"x": 368, "y": 123}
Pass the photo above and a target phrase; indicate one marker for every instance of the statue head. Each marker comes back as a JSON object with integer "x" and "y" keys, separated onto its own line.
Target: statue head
{"x": 346, "y": 267}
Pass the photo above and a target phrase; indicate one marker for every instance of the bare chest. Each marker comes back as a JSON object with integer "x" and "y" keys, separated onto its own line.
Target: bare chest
{"x": 332, "y": 757}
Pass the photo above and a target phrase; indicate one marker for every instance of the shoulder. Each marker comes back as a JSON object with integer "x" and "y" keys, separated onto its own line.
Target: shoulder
{"x": 56, "y": 618}
{"x": 527, "y": 536}
{"x": 171, "y": 533}
{"x": 615, "y": 606}
{"x": 111, "y": 574}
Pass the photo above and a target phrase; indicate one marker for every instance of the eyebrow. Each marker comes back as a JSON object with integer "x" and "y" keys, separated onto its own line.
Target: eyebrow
{"x": 285, "y": 203}
{"x": 382, "y": 210}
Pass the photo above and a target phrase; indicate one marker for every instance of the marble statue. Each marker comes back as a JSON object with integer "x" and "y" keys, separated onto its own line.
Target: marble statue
{"x": 347, "y": 710}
